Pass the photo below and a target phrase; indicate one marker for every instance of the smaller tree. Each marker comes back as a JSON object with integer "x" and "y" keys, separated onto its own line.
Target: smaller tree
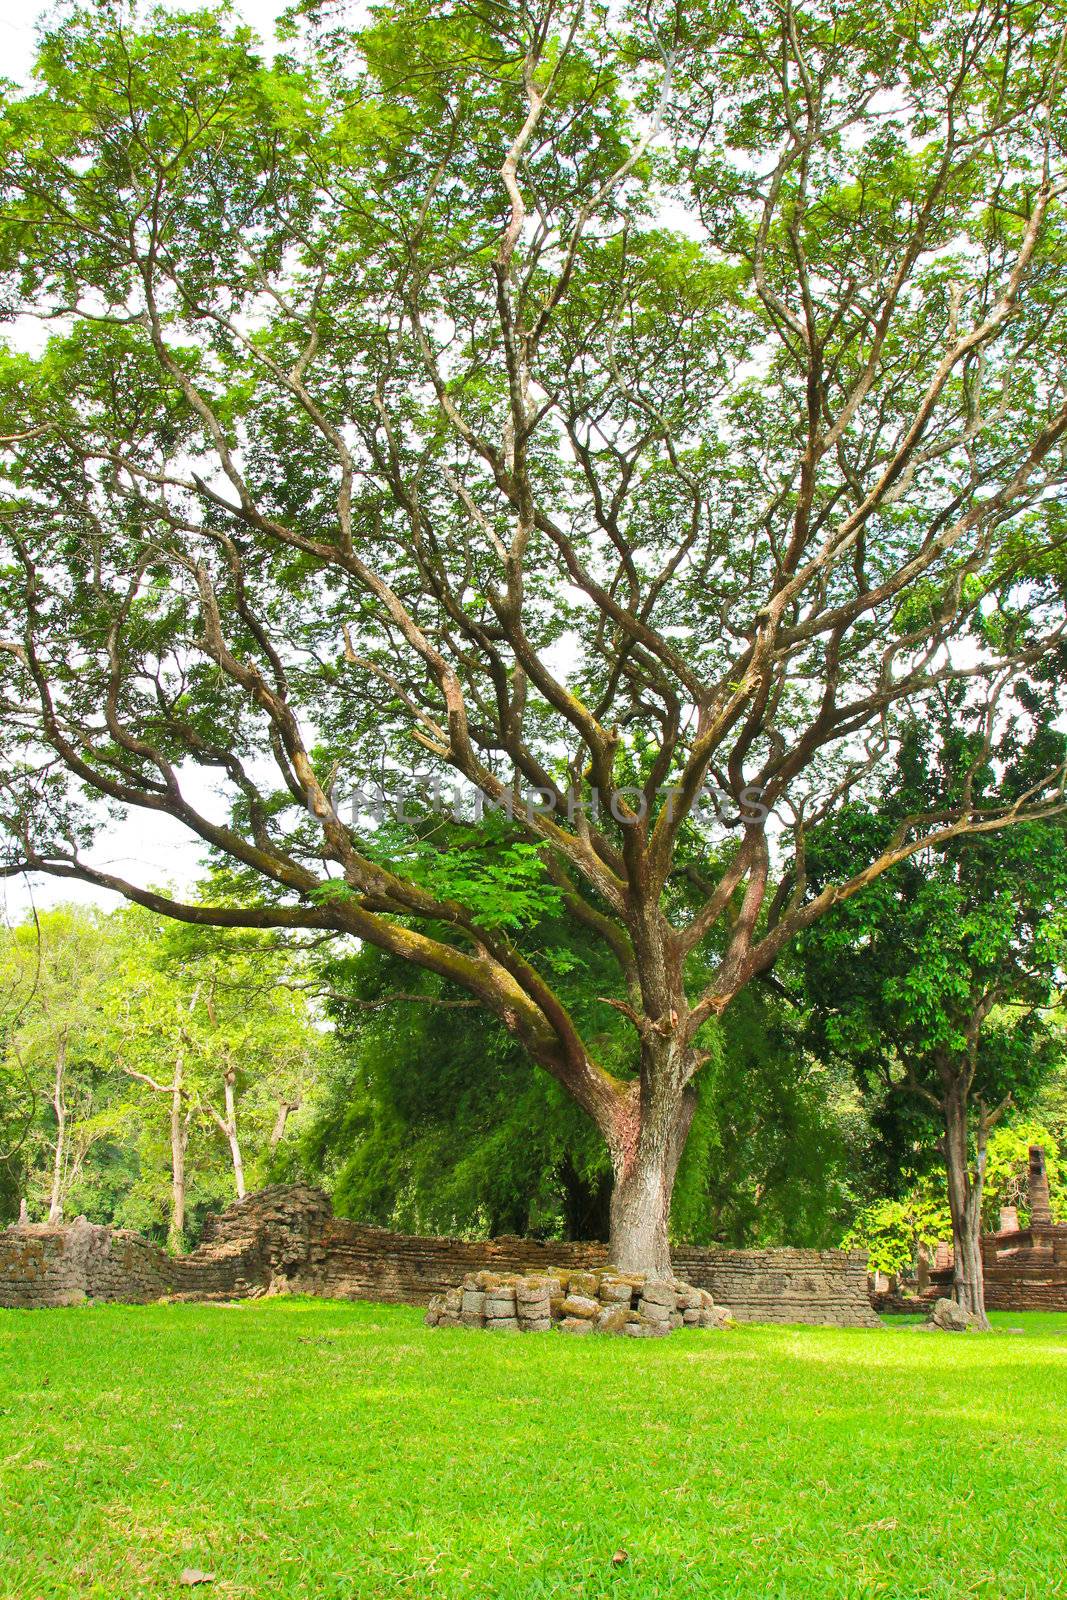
{"x": 53, "y": 971}
{"x": 935, "y": 980}
{"x": 211, "y": 1024}
{"x": 894, "y": 1233}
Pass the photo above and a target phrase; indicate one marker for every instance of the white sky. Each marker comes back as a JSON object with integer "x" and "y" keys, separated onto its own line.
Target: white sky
{"x": 149, "y": 850}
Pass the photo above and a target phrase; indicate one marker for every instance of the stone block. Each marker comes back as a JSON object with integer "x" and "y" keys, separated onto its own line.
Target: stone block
{"x": 613, "y": 1290}
{"x": 536, "y": 1288}
{"x": 615, "y": 1319}
{"x": 716, "y": 1317}
{"x": 657, "y": 1291}
{"x": 653, "y": 1311}
{"x": 494, "y": 1281}
{"x": 502, "y": 1324}
{"x": 644, "y": 1328}
{"x": 474, "y": 1300}
{"x": 583, "y": 1283}
{"x": 576, "y": 1325}
{"x": 499, "y": 1304}
{"x": 580, "y": 1305}
{"x": 951, "y": 1318}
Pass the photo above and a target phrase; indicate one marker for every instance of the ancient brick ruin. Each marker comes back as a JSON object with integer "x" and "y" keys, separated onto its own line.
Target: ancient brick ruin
{"x": 287, "y": 1240}
{"x": 1025, "y": 1269}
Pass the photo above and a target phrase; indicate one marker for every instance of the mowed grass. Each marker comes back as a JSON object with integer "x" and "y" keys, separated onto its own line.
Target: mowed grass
{"x": 311, "y": 1448}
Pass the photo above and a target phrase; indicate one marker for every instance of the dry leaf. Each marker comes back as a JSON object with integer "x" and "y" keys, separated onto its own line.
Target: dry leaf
{"x": 192, "y": 1576}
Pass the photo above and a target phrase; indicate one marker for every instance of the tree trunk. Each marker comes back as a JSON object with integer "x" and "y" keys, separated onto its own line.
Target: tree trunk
{"x": 285, "y": 1110}
{"x": 179, "y": 1137}
{"x": 640, "y": 1211}
{"x": 645, "y": 1161}
{"x": 965, "y": 1206}
{"x": 231, "y": 1134}
{"x": 59, "y": 1105}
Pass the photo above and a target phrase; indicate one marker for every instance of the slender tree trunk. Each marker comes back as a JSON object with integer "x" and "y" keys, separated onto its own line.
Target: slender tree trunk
{"x": 59, "y": 1105}
{"x": 285, "y": 1110}
{"x": 645, "y": 1156}
{"x": 965, "y": 1206}
{"x": 230, "y": 1127}
{"x": 179, "y": 1138}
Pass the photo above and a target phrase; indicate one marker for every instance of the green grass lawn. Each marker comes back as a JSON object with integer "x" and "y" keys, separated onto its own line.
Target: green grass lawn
{"x": 310, "y": 1448}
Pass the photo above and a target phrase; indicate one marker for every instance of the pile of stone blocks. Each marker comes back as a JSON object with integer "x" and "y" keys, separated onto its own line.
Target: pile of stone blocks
{"x": 581, "y": 1302}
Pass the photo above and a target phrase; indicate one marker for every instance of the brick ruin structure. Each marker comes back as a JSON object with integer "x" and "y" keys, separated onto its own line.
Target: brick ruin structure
{"x": 1025, "y": 1269}
{"x": 286, "y": 1240}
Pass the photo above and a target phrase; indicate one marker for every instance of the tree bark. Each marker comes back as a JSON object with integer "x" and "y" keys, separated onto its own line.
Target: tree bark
{"x": 59, "y": 1105}
{"x": 647, "y": 1147}
{"x": 965, "y": 1206}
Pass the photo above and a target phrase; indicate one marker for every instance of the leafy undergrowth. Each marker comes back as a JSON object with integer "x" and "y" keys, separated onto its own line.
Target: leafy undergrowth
{"x": 309, "y": 1448}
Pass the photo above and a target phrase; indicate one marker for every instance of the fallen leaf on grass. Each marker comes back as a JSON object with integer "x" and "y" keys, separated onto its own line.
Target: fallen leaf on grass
{"x": 192, "y": 1575}
{"x": 620, "y": 1558}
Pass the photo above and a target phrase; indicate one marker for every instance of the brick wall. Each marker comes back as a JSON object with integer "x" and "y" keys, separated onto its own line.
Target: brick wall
{"x": 286, "y": 1239}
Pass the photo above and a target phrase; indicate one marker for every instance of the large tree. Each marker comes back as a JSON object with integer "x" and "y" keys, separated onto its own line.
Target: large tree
{"x": 593, "y": 406}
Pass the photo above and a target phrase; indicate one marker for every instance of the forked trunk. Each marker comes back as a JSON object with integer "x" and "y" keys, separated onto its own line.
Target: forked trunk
{"x": 285, "y": 1109}
{"x": 965, "y": 1206}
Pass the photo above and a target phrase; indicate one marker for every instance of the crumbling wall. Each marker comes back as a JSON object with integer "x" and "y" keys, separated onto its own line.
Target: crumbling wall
{"x": 286, "y": 1240}
{"x": 826, "y": 1287}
